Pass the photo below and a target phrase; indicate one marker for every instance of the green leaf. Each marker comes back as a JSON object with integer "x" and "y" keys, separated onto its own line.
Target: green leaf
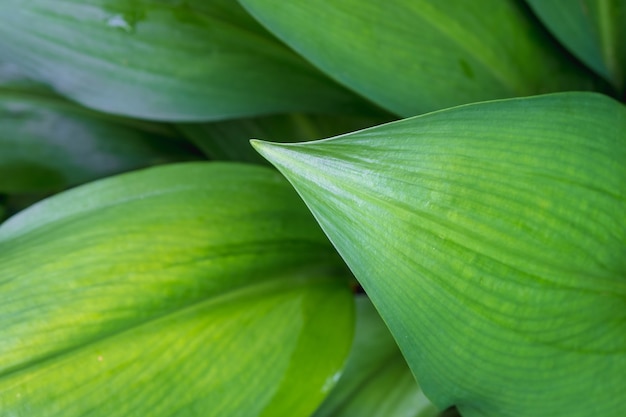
{"x": 230, "y": 140}
{"x": 165, "y": 60}
{"x": 593, "y": 30}
{"x": 47, "y": 143}
{"x": 377, "y": 381}
{"x": 416, "y": 56}
{"x": 184, "y": 290}
{"x": 491, "y": 238}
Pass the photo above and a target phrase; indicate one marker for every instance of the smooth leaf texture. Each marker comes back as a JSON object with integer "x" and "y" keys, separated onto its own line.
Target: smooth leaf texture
{"x": 198, "y": 289}
{"x": 165, "y": 60}
{"x": 593, "y": 30}
{"x": 377, "y": 381}
{"x": 491, "y": 238}
{"x": 416, "y": 56}
{"x": 47, "y": 143}
{"x": 230, "y": 140}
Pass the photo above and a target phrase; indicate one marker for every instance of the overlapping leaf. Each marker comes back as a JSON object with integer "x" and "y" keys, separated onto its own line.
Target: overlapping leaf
{"x": 491, "y": 238}
{"x": 230, "y": 140}
{"x": 377, "y": 381}
{"x": 167, "y": 60}
{"x": 48, "y": 144}
{"x": 193, "y": 289}
{"x": 594, "y": 30}
{"x": 416, "y": 56}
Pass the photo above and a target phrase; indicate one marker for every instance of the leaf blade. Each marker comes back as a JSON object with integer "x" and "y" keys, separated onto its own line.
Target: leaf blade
{"x": 413, "y": 57}
{"x": 125, "y": 58}
{"x": 143, "y": 312}
{"x": 480, "y": 217}
{"x": 593, "y": 31}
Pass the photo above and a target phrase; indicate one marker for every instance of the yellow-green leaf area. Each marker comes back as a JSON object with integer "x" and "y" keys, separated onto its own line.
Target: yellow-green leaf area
{"x": 167, "y": 292}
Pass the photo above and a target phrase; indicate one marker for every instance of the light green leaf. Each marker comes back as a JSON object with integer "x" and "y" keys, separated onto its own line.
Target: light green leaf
{"x": 230, "y": 140}
{"x": 166, "y": 60}
{"x": 593, "y": 30}
{"x": 491, "y": 238}
{"x": 417, "y": 56}
{"x": 377, "y": 381}
{"x": 47, "y": 143}
{"x": 199, "y": 289}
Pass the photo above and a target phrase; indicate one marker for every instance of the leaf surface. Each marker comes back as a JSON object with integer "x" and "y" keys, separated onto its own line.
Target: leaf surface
{"x": 48, "y": 143}
{"x": 163, "y": 60}
{"x": 491, "y": 238}
{"x": 416, "y": 56}
{"x": 184, "y": 290}
{"x": 593, "y": 30}
{"x": 377, "y": 381}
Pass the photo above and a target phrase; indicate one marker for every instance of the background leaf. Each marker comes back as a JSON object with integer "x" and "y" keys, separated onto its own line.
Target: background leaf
{"x": 491, "y": 238}
{"x": 166, "y": 293}
{"x": 47, "y": 143}
{"x": 416, "y": 56}
{"x": 593, "y": 30}
{"x": 230, "y": 140}
{"x": 165, "y": 60}
{"x": 377, "y": 381}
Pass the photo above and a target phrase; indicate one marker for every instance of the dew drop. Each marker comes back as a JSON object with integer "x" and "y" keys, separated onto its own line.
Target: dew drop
{"x": 119, "y": 22}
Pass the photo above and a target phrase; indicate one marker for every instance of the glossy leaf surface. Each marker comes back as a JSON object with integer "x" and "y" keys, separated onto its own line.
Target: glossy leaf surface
{"x": 47, "y": 143}
{"x": 593, "y": 30}
{"x": 165, "y": 60}
{"x": 491, "y": 238}
{"x": 377, "y": 381}
{"x": 185, "y": 290}
{"x": 416, "y": 56}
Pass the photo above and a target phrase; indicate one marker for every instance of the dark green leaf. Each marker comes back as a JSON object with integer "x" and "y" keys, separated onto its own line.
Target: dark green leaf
{"x": 594, "y": 30}
{"x": 199, "y": 289}
{"x": 166, "y": 60}
{"x": 491, "y": 238}
{"x": 416, "y": 56}
{"x": 48, "y": 144}
{"x": 230, "y": 140}
{"x": 377, "y": 381}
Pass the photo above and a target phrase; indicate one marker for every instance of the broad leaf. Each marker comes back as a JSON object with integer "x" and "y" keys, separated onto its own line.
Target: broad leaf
{"x": 230, "y": 140}
{"x": 47, "y": 143}
{"x": 416, "y": 56}
{"x": 594, "y": 30}
{"x": 491, "y": 238}
{"x": 377, "y": 381}
{"x": 166, "y": 60}
{"x": 185, "y": 290}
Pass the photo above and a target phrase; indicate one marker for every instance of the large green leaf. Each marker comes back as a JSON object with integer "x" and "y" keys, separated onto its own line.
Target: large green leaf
{"x": 199, "y": 289}
{"x": 162, "y": 59}
{"x": 377, "y": 381}
{"x": 491, "y": 238}
{"x": 415, "y": 56}
{"x": 48, "y": 144}
{"x": 230, "y": 140}
{"x": 594, "y": 30}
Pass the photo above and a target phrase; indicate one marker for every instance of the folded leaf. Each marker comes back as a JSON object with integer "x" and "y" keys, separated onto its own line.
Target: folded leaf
{"x": 416, "y": 56}
{"x": 166, "y": 60}
{"x": 184, "y": 290}
{"x": 594, "y": 30}
{"x": 377, "y": 381}
{"x": 47, "y": 143}
{"x": 491, "y": 238}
